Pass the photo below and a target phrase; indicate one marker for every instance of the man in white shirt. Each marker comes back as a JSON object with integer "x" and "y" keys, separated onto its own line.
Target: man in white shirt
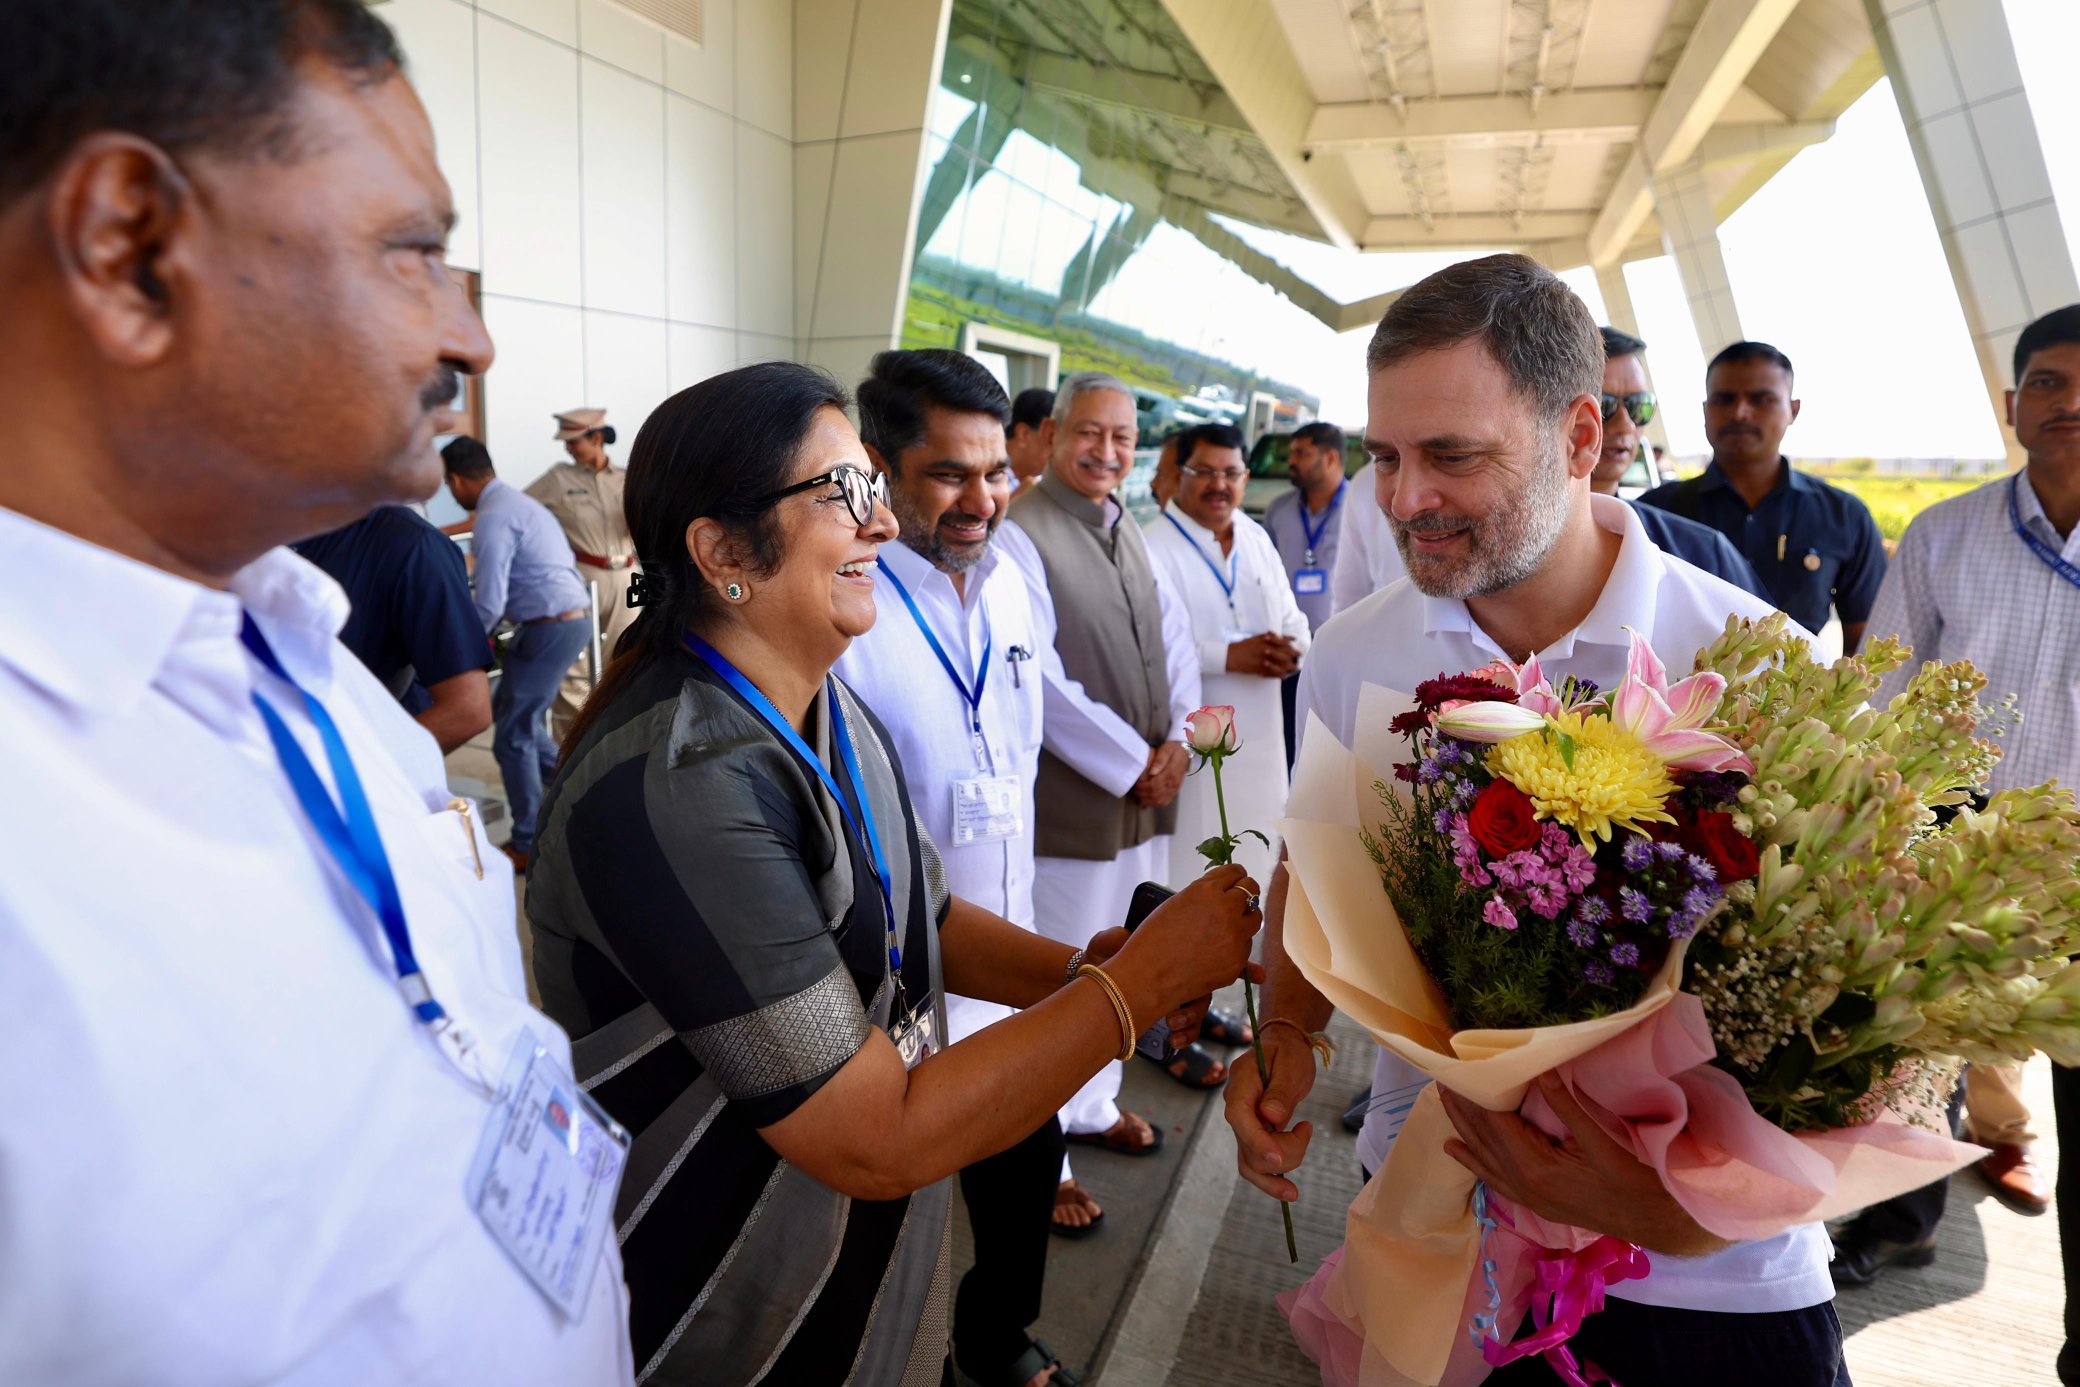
{"x": 1993, "y": 576}
{"x": 1122, "y": 636}
{"x": 1249, "y": 634}
{"x": 1367, "y": 558}
{"x": 951, "y": 668}
{"x": 1484, "y": 426}
{"x": 257, "y": 1024}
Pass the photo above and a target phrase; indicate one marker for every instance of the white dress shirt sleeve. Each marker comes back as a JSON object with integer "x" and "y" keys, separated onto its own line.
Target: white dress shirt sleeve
{"x": 1286, "y": 617}
{"x": 1905, "y": 608}
{"x": 1088, "y": 737}
{"x": 1351, "y": 582}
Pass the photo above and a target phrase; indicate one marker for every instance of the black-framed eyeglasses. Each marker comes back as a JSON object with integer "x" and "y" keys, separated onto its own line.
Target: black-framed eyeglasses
{"x": 863, "y": 491}
{"x": 1639, "y": 404}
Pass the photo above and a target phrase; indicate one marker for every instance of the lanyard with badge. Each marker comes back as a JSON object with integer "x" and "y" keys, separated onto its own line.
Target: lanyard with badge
{"x": 1234, "y": 631}
{"x": 985, "y": 804}
{"x": 2053, "y": 560}
{"x": 550, "y": 1159}
{"x": 1308, "y": 580}
{"x": 910, "y": 1027}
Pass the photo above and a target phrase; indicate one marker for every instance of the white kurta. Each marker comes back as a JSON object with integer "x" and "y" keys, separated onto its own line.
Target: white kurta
{"x": 1188, "y": 560}
{"x": 1073, "y": 899}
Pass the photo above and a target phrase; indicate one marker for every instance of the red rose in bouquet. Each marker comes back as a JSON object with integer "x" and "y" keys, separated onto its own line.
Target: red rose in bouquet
{"x": 1502, "y": 819}
{"x": 1733, "y": 854}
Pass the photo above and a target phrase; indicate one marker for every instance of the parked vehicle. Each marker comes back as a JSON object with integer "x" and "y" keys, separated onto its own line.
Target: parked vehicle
{"x": 1267, "y": 469}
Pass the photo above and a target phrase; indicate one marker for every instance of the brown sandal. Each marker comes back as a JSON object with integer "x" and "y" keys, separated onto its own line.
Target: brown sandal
{"x": 1193, "y": 1066}
{"x": 1068, "y": 1195}
{"x": 1124, "y": 1136}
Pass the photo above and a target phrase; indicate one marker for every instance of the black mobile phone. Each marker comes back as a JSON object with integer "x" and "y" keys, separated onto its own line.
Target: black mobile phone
{"x": 1147, "y": 896}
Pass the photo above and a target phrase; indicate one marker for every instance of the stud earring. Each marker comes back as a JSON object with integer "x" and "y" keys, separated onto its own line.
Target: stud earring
{"x": 735, "y": 592}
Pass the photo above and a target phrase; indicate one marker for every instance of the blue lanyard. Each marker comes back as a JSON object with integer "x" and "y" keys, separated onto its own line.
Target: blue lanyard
{"x": 1227, "y": 583}
{"x": 974, "y": 698}
{"x": 347, "y": 829}
{"x": 1314, "y": 532}
{"x": 2051, "y": 557}
{"x": 863, "y": 826}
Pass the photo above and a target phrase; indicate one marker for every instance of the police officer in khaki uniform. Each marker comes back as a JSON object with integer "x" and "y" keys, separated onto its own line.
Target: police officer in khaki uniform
{"x": 584, "y": 495}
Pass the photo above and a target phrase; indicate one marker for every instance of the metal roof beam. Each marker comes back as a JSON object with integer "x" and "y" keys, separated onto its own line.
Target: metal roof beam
{"x": 1724, "y": 47}
{"x": 1473, "y": 231}
{"x": 1123, "y": 89}
{"x": 1484, "y": 121}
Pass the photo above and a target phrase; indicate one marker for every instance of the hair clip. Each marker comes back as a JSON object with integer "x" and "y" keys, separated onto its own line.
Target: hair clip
{"x": 642, "y": 589}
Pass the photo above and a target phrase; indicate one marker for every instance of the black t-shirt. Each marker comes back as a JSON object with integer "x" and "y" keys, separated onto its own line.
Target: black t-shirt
{"x": 412, "y": 623}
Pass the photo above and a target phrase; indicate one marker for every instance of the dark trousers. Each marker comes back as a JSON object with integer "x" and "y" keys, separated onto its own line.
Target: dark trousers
{"x": 1288, "y": 693}
{"x": 1651, "y": 1346}
{"x": 2065, "y": 1102}
{"x": 1010, "y": 1206}
{"x": 533, "y": 666}
{"x": 1913, "y": 1217}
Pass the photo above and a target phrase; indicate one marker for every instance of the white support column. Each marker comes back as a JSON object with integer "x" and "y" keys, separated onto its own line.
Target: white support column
{"x": 1690, "y": 233}
{"x": 1617, "y": 302}
{"x": 1968, "y": 119}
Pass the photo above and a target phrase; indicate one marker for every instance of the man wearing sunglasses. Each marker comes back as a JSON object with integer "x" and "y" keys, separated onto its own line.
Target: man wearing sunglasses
{"x": 1628, "y": 405}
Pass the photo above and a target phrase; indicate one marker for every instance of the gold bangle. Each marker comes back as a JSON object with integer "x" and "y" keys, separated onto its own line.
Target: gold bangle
{"x": 1128, "y": 1032}
{"x": 1317, "y": 1041}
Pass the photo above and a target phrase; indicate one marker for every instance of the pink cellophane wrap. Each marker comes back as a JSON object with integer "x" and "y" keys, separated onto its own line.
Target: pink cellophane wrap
{"x": 1394, "y": 1305}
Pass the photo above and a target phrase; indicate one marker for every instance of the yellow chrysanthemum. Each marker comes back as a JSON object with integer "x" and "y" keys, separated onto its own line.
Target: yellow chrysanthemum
{"x": 1615, "y": 782}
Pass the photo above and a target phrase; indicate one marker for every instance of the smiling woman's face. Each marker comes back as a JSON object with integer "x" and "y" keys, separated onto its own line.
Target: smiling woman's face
{"x": 823, "y": 591}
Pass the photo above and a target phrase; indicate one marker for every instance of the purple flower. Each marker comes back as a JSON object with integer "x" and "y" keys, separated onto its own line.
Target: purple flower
{"x": 1625, "y": 955}
{"x": 1498, "y": 914}
{"x": 1442, "y": 821}
{"x": 1593, "y": 910}
{"x": 1636, "y": 855}
{"x": 1427, "y": 773}
{"x": 1634, "y": 905}
{"x": 1580, "y": 932}
{"x": 1669, "y": 852}
{"x": 1597, "y": 973}
{"x": 1698, "y": 902}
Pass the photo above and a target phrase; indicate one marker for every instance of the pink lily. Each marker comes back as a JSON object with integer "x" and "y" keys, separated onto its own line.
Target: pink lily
{"x": 1491, "y": 721}
{"x": 1669, "y": 721}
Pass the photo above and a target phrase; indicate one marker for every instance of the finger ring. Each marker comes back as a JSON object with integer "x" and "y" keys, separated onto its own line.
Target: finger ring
{"x": 1250, "y": 903}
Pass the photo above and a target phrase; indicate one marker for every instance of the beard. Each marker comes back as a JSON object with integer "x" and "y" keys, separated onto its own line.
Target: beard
{"x": 1503, "y": 548}
{"x": 923, "y": 536}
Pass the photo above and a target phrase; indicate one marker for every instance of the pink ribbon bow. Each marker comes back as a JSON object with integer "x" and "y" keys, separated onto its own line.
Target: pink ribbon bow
{"x": 1567, "y": 1288}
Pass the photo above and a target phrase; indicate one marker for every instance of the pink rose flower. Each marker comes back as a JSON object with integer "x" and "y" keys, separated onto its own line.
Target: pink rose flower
{"x": 1211, "y": 731}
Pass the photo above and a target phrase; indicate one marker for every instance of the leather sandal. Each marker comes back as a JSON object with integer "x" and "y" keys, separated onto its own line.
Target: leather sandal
{"x": 1037, "y": 1359}
{"x": 1067, "y": 1193}
{"x": 1122, "y": 1136}
{"x": 1224, "y": 1028}
{"x": 1193, "y": 1066}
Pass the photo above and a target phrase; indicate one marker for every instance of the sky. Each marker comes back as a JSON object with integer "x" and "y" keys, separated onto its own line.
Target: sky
{"x": 1835, "y": 261}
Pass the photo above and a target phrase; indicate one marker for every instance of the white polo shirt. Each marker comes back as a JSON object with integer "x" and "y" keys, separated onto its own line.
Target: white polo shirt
{"x": 232, "y": 1153}
{"x": 1397, "y": 638}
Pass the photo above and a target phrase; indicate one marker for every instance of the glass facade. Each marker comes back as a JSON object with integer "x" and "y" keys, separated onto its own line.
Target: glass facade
{"x": 1043, "y": 214}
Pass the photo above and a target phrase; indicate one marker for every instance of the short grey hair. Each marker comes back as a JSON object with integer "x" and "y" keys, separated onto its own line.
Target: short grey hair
{"x": 1530, "y": 322}
{"x": 1083, "y": 383}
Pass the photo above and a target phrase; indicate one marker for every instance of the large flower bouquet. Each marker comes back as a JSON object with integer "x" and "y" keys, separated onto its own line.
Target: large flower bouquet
{"x": 1754, "y": 922}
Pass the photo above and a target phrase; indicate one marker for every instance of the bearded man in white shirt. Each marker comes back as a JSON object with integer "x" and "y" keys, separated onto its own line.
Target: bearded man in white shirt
{"x": 1250, "y": 635}
{"x": 1484, "y": 425}
{"x": 957, "y": 670}
{"x": 258, "y": 1024}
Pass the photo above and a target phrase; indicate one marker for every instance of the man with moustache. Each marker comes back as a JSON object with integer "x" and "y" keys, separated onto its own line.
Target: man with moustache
{"x": 261, "y": 994}
{"x": 1127, "y": 642}
{"x": 1627, "y": 406}
{"x": 1484, "y": 426}
{"x": 1815, "y": 546}
{"x": 1993, "y": 576}
{"x": 1022, "y": 443}
{"x": 960, "y": 676}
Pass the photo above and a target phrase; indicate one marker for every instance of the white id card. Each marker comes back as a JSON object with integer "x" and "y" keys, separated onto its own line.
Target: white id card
{"x": 1310, "y": 582}
{"x": 546, "y": 1173}
{"x": 985, "y": 809}
{"x": 916, "y": 1039}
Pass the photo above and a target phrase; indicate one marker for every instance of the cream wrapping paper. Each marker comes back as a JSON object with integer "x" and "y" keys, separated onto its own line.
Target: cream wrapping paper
{"x": 1411, "y": 1243}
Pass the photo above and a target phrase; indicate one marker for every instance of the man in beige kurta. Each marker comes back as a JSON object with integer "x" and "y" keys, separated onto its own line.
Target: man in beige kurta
{"x": 584, "y": 495}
